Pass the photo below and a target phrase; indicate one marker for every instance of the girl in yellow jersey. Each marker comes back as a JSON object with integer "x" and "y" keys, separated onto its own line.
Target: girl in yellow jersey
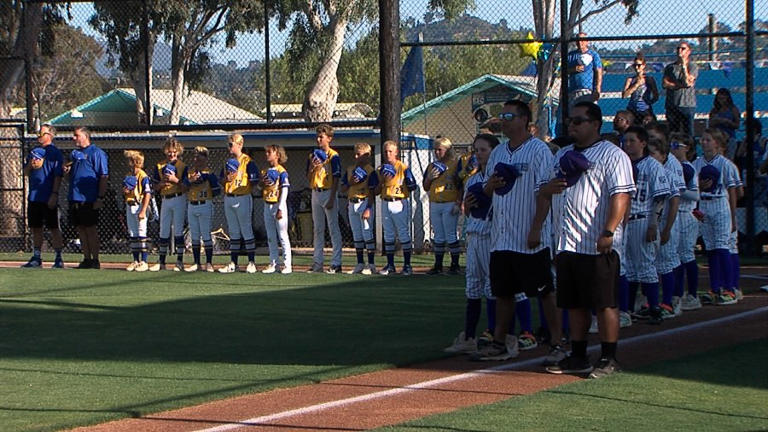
{"x": 360, "y": 207}
{"x": 441, "y": 179}
{"x": 201, "y": 186}
{"x": 275, "y": 184}
{"x": 166, "y": 178}
{"x": 239, "y": 177}
{"x": 394, "y": 182}
{"x": 137, "y": 192}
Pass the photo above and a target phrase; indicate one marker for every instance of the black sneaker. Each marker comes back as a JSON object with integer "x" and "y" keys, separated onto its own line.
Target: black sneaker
{"x": 454, "y": 269}
{"x": 34, "y": 262}
{"x": 654, "y": 315}
{"x": 334, "y": 269}
{"x": 571, "y": 365}
{"x": 435, "y": 270}
{"x": 95, "y": 264}
{"x": 604, "y": 367}
{"x": 84, "y": 264}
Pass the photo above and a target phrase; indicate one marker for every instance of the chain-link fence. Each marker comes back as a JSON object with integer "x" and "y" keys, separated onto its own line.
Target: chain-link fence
{"x": 13, "y": 231}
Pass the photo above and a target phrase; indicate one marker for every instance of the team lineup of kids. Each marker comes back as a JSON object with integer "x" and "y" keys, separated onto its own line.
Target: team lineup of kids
{"x": 524, "y": 204}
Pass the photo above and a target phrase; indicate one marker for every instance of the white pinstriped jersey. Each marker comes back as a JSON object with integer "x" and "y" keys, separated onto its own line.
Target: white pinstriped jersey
{"x": 675, "y": 179}
{"x": 651, "y": 184}
{"x": 691, "y": 185}
{"x": 475, "y": 225}
{"x": 513, "y": 212}
{"x": 729, "y": 175}
{"x": 584, "y": 206}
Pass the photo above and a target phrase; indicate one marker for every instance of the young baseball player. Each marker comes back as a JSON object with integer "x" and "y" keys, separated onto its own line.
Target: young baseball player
{"x": 240, "y": 176}
{"x": 733, "y": 283}
{"x": 394, "y": 183}
{"x": 681, "y": 147}
{"x": 137, "y": 192}
{"x": 166, "y": 178}
{"x": 642, "y": 227}
{"x": 477, "y": 209}
{"x": 275, "y": 184}
{"x": 323, "y": 173}
{"x": 667, "y": 258}
{"x": 201, "y": 187}
{"x": 441, "y": 179}
{"x": 718, "y": 184}
{"x": 360, "y": 209}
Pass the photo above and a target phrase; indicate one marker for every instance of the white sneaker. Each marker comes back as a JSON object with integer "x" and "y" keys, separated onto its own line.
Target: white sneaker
{"x": 209, "y": 268}
{"x": 286, "y": 270}
{"x": 142, "y": 267}
{"x": 270, "y": 269}
{"x": 677, "y": 307}
{"x": 369, "y": 269}
{"x": 179, "y": 267}
{"x": 462, "y": 345}
{"x": 357, "y": 270}
{"x": 492, "y": 352}
{"x": 625, "y": 319}
{"x": 739, "y": 295}
{"x": 229, "y": 268}
{"x": 192, "y": 268}
{"x": 593, "y": 327}
{"x": 251, "y": 267}
{"x": 386, "y": 270}
{"x": 690, "y": 302}
{"x": 132, "y": 266}
{"x": 157, "y": 267}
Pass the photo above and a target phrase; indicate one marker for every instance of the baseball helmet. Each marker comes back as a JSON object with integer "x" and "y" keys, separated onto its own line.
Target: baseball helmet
{"x": 387, "y": 170}
{"x": 509, "y": 173}
{"x": 37, "y": 153}
{"x": 232, "y": 165}
{"x": 272, "y": 175}
{"x": 483, "y": 201}
{"x": 130, "y": 182}
{"x": 76, "y": 155}
{"x": 320, "y": 155}
{"x": 169, "y": 168}
{"x": 572, "y": 165}
{"x": 688, "y": 172}
{"x": 360, "y": 174}
{"x": 439, "y": 166}
{"x": 709, "y": 172}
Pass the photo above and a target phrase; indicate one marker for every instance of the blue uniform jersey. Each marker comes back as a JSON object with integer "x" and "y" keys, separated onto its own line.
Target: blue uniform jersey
{"x": 583, "y": 80}
{"x": 85, "y": 174}
{"x": 41, "y": 180}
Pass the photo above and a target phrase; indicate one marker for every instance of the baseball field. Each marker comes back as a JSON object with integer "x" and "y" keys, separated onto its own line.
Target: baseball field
{"x": 177, "y": 351}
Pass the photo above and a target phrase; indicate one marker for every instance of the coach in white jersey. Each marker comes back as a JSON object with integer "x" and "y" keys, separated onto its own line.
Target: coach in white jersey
{"x": 517, "y": 266}
{"x": 587, "y": 264}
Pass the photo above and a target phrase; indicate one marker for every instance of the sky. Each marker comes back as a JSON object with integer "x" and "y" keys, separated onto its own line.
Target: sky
{"x": 655, "y": 17}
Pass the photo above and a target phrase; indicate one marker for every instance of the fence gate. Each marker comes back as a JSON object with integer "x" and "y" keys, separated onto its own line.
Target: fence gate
{"x": 13, "y": 227}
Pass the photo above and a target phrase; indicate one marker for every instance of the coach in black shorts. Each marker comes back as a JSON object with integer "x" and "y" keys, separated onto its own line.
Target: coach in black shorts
{"x": 591, "y": 183}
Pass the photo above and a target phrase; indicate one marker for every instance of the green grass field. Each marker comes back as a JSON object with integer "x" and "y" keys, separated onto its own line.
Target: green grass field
{"x": 722, "y": 390}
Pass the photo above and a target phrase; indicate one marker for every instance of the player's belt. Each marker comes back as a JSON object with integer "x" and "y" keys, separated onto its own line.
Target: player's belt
{"x": 271, "y": 202}
{"x": 198, "y": 202}
{"x": 356, "y": 200}
{"x": 637, "y": 216}
{"x": 130, "y": 202}
{"x": 236, "y": 195}
{"x": 392, "y": 199}
{"x": 710, "y": 198}
{"x": 172, "y": 195}
{"x": 319, "y": 189}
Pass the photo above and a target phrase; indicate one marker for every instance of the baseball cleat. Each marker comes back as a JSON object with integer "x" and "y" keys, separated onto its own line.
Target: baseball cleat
{"x": 357, "y": 270}
{"x": 454, "y": 269}
{"x": 604, "y": 367}
{"x": 271, "y": 268}
{"x": 84, "y": 264}
{"x": 33, "y": 262}
{"x": 462, "y": 344}
{"x": 132, "y": 266}
{"x": 571, "y": 365}
{"x": 316, "y": 268}
{"x": 369, "y": 270}
{"x": 192, "y": 268}
{"x": 407, "y": 271}
{"x": 179, "y": 266}
{"x": 526, "y": 341}
{"x": 229, "y": 268}
{"x": 286, "y": 270}
{"x": 334, "y": 269}
{"x": 157, "y": 267}
{"x": 209, "y": 268}
{"x": 142, "y": 267}
{"x": 435, "y": 270}
{"x": 386, "y": 270}
{"x": 95, "y": 264}
{"x": 251, "y": 269}
{"x": 58, "y": 264}
{"x": 496, "y": 351}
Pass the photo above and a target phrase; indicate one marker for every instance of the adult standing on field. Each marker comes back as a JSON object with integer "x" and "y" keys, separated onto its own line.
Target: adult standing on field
{"x": 44, "y": 169}
{"x": 679, "y": 81}
{"x": 585, "y": 73}
{"x": 88, "y": 172}
{"x": 594, "y": 203}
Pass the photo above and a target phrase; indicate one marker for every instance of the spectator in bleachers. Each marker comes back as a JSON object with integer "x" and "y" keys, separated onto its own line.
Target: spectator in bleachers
{"x": 679, "y": 80}
{"x": 725, "y": 116}
{"x": 641, "y": 90}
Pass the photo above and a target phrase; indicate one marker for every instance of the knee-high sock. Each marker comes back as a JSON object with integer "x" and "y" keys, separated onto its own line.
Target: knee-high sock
{"x": 679, "y": 272}
{"x": 178, "y": 242}
{"x": 523, "y": 309}
{"x": 196, "y": 253}
{"x": 623, "y": 294}
{"x": 490, "y": 311}
{"x": 472, "y": 317}
{"x": 692, "y": 274}
{"x": 651, "y": 290}
{"x": 667, "y": 288}
{"x": 724, "y": 257}
{"x": 632, "y": 298}
{"x": 735, "y": 271}
{"x": 714, "y": 271}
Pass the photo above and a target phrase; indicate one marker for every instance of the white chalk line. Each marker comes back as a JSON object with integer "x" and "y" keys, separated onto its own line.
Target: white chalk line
{"x": 255, "y": 421}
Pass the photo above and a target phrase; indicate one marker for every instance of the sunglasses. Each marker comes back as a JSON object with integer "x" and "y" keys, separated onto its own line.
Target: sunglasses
{"x": 638, "y": 65}
{"x": 577, "y": 120}
{"x": 42, "y": 134}
{"x": 681, "y": 48}
{"x": 508, "y": 116}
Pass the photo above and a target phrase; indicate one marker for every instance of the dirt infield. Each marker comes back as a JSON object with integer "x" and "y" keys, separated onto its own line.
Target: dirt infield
{"x": 396, "y": 395}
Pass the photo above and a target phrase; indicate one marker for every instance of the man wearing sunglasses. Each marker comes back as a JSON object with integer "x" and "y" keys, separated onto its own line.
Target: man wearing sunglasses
{"x": 44, "y": 169}
{"x": 679, "y": 80}
{"x": 585, "y": 73}
{"x": 588, "y": 216}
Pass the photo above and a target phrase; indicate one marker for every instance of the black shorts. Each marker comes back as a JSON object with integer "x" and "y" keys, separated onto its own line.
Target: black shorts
{"x": 587, "y": 281}
{"x": 515, "y": 272}
{"x": 39, "y": 214}
{"x": 83, "y": 214}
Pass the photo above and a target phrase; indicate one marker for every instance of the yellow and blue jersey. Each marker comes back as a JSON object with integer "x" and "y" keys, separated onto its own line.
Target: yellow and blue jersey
{"x": 245, "y": 176}
{"x": 357, "y": 190}
{"x": 205, "y": 188}
{"x": 331, "y": 167}
{"x": 399, "y": 186}
{"x": 468, "y": 166}
{"x": 170, "y": 188}
{"x": 445, "y": 188}
{"x": 273, "y": 187}
{"x": 143, "y": 186}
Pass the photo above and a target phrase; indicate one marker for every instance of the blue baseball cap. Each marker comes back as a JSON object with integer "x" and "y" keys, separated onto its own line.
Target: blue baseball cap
{"x": 320, "y": 155}
{"x": 709, "y": 172}
{"x": 77, "y": 155}
{"x": 37, "y": 153}
{"x": 439, "y": 166}
{"x": 387, "y": 170}
{"x": 360, "y": 174}
{"x": 688, "y": 172}
{"x": 130, "y": 182}
{"x": 572, "y": 165}
{"x": 483, "y": 201}
{"x": 169, "y": 168}
{"x": 509, "y": 173}
{"x": 232, "y": 165}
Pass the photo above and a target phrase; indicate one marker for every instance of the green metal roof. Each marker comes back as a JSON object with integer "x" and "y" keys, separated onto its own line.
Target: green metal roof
{"x": 117, "y": 100}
